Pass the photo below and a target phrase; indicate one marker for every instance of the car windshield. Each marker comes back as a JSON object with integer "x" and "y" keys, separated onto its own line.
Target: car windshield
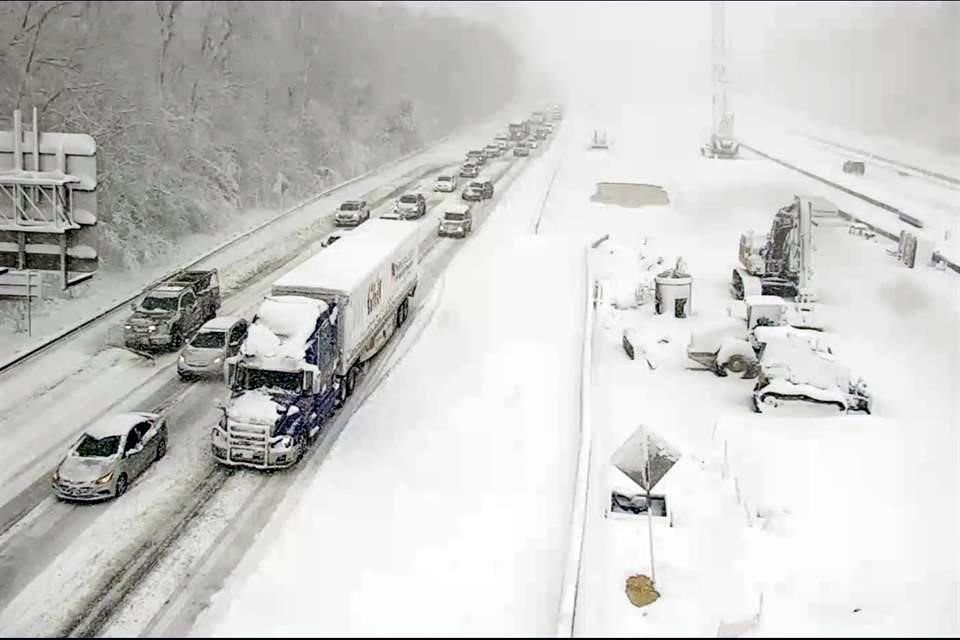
{"x": 90, "y": 447}
{"x": 349, "y": 206}
{"x": 263, "y": 379}
{"x": 476, "y": 185}
{"x": 159, "y": 304}
{"x": 454, "y": 216}
{"x": 408, "y": 199}
{"x": 445, "y": 179}
{"x": 208, "y": 340}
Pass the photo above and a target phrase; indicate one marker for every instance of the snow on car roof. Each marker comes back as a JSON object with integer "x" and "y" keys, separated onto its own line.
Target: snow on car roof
{"x": 220, "y": 323}
{"x": 348, "y": 262}
{"x": 168, "y": 289}
{"x": 115, "y": 425}
{"x": 457, "y": 208}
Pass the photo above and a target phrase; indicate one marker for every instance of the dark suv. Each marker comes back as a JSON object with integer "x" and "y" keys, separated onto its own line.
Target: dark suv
{"x": 478, "y": 191}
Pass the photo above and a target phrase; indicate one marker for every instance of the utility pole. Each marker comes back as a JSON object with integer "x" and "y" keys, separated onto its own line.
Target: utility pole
{"x": 722, "y": 118}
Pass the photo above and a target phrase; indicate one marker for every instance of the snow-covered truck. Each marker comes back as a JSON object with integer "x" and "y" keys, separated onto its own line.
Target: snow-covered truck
{"x": 310, "y": 340}
{"x": 792, "y": 373}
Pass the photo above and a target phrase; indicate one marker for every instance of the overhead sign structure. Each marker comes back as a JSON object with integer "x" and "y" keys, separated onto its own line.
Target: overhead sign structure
{"x": 645, "y": 458}
{"x": 48, "y": 202}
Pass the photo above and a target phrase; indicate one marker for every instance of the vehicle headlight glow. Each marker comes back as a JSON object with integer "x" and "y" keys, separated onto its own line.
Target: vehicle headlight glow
{"x": 283, "y": 442}
{"x": 219, "y": 437}
{"x": 104, "y": 479}
{"x": 152, "y": 327}
{"x": 127, "y": 326}
{"x": 217, "y": 360}
{"x": 182, "y": 359}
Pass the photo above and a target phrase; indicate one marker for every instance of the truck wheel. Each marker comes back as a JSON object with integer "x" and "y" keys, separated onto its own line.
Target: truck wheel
{"x": 121, "y": 486}
{"x": 176, "y": 338}
{"x": 351, "y": 380}
{"x": 341, "y": 392}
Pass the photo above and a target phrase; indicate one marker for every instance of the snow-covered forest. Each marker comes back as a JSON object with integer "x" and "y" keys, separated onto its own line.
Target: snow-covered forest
{"x": 197, "y": 106}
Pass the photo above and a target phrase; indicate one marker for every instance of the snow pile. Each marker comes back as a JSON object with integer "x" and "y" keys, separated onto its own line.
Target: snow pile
{"x": 627, "y": 274}
{"x": 253, "y": 407}
{"x": 282, "y": 327}
{"x": 791, "y": 358}
{"x": 838, "y": 523}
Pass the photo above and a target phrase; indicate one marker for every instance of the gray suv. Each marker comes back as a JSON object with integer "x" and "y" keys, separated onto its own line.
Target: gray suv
{"x": 207, "y": 350}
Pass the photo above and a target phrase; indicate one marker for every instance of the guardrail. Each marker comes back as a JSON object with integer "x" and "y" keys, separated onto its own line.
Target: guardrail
{"x": 903, "y": 216}
{"x": 570, "y": 589}
{"x": 896, "y": 163}
{"x": 36, "y": 350}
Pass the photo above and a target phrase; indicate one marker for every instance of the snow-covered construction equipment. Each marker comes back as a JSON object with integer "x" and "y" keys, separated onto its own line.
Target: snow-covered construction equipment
{"x": 599, "y": 140}
{"x": 309, "y": 341}
{"x": 730, "y": 348}
{"x": 791, "y": 373}
{"x": 779, "y": 263}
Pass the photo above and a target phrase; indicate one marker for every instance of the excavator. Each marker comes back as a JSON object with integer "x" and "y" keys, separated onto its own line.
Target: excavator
{"x": 779, "y": 263}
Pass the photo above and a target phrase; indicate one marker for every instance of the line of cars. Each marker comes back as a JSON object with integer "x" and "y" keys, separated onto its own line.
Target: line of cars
{"x": 181, "y": 312}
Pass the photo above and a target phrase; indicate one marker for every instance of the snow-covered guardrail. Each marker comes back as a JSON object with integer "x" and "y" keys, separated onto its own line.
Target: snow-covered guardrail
{"x": 571, "y": 574}
{"x": 901, "y": 215}
{"x": 37, "y": 349}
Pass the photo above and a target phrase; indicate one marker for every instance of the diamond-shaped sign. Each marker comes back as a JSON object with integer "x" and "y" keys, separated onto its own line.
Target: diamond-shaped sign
{"x": 645, "y": 458}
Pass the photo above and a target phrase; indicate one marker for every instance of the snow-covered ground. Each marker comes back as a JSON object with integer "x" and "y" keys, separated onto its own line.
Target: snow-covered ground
{"x": 843, "y": 526}
{"x": 444, "y": 506}
{"x": 784, "y": 135}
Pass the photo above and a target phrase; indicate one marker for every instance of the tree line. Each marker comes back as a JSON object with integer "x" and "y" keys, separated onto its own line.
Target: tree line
{"x": 196, "y": 107}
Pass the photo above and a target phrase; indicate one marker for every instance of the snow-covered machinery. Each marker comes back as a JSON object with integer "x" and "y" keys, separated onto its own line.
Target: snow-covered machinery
{"x": 721, "y": 146}
{"x": 791, "y": 373}
{"x": 730, "y": 348}
{"x": 599, "y": 140}
{"x": 309, "y": 342}
{"x": 779, "y": 263}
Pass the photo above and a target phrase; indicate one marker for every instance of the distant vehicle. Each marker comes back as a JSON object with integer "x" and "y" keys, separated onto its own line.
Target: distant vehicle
{"x": 309, "y": 341}
{"x": 173, "y": 310}
{"x": 518, "y": 130}
{"x": 476, "y": 156}
{"x": 351, "y": 213}
{"x": 206, "y": 352}
{"x": 532, "y": 143}
{"x": 410, "y": 205}
{"x": 502, "y": 140}
{"x": 491, "y": 151}
{"x": 457, "y": 221}
{"x": 720, "y": 147}
{"x": 538, "y": 116}
{"x": 109, "y": 456}
{"x": 521, "y": 149}
{"x": 854, "y": 166}
{"x": 599, "y": 140}
{"x": 445, "y": 183}
{"x": 503, "y": 144}
{"x": 469, "y": 170}
{"x": 556, "y": 113}
{"x": 480, "y": 190}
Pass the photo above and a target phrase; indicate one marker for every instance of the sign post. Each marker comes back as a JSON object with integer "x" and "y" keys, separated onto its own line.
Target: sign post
{"x": 645, "y": 458}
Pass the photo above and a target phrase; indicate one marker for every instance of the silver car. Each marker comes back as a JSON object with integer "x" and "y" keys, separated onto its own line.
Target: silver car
{"x": 109, "y": 456}
{"x": 207, "y": 350}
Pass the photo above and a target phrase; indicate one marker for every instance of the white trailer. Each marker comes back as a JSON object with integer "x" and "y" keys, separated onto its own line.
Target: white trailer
{"x": 369, "y": 278}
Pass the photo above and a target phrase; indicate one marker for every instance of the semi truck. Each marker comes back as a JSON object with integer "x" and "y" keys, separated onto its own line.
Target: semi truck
{"x": 310, "y": 341}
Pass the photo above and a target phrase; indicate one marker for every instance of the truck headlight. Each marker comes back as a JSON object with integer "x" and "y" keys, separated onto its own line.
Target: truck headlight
{"x": 152, "y": 328}
{"x": 217, "y": 360}
{"x": 104, "y": 479}
{"x": 127, "y": 326}
{"x": 56, "y": 475}
{"x": 218, "y": 437}
{"x": 283, "y": 442}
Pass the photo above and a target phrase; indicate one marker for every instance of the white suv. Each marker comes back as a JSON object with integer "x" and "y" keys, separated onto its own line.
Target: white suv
{"x": 446, "y": 184}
